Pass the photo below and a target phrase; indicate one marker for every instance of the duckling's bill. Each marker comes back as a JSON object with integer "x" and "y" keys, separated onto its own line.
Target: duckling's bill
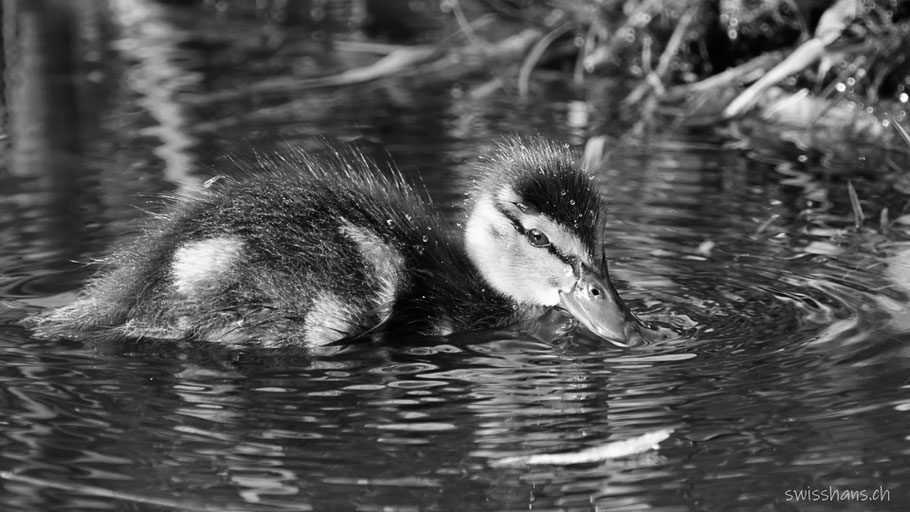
{"x": 596, "y": 304}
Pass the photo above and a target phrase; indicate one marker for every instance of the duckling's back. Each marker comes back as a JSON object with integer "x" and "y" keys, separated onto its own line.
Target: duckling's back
{"x": 307, "y": 251}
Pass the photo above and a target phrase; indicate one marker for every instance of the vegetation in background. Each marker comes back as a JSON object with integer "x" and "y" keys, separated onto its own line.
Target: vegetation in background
{"x": 840, "y": 65}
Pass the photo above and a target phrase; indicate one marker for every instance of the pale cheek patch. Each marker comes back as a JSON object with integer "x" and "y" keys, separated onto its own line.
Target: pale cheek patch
{"x": 328, "y": 320}
{"x": 201, "y": 265}
{"x": 538, "y": 275}
{"x": 509, "y": 263}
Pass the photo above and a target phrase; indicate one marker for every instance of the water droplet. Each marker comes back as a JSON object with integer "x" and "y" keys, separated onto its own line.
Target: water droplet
{"x": 572, "y": 202}
{"x": 425, "y": 238}
{"x": 407, "y": 216}
{"x": 389, "y": 222}
{"x": 562, "y": 192}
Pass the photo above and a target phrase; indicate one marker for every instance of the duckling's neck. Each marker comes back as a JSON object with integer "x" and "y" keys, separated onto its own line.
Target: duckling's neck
{"x": 447, "y": 294}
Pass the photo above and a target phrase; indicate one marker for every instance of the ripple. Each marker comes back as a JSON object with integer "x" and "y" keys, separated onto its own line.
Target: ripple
{"x": 404, "y": 368}
{"x": 417, "y": 384}
{"x": 428, "y": 426}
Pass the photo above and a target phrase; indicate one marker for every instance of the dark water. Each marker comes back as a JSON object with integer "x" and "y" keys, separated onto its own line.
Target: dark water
{"x": 792, "y": 374}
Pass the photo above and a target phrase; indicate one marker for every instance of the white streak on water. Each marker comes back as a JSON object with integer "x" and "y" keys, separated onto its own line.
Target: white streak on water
{"x": 604, "y": 452}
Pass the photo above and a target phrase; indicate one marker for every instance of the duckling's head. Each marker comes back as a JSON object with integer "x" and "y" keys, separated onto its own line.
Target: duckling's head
{"x": 534, "y": 231}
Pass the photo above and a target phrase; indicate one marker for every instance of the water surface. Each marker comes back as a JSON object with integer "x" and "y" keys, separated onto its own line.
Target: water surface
{"x": 791, "y": 373}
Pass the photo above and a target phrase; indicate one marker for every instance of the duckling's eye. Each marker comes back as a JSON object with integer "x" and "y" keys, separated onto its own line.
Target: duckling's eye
{"x": 537, "y": 238}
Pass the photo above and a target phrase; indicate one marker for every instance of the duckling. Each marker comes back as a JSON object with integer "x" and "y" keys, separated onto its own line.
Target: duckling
{"x": 317, "y": 248}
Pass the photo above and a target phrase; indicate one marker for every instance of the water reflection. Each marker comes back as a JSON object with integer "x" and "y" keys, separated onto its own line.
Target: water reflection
{"x": 790, "y": 370}
{"x": 41, "y": 107}
{"x": 153, "y": 40}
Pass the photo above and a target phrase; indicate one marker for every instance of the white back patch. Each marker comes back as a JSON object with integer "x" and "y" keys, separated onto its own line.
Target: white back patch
{"x": 387, "y": 263}
{"x": 200, "y": 265}
{"x": 328, "y": 320}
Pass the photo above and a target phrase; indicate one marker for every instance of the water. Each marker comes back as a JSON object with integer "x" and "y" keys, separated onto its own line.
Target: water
{"x": 791, "y": 373}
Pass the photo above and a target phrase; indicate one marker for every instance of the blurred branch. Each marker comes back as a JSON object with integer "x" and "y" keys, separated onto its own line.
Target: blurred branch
{"x": 535, "y": 54}
{"x": 832, "y": 24}
{"x": 400, "y": 61}
{"x": 654, "y": 80}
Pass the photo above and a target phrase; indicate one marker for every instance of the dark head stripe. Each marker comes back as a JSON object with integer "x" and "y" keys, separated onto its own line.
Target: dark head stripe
{"x": 565, "y": 258}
